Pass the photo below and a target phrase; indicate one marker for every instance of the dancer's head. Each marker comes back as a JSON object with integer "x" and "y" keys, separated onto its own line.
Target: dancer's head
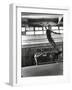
{"x": 49, "y": 27}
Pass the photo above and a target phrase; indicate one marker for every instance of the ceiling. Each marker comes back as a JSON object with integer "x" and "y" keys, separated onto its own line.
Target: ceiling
{"x": 41, "y": 19}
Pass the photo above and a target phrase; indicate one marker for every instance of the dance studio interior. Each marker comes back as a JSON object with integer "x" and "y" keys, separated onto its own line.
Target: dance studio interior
{"x": 41, "y": 44}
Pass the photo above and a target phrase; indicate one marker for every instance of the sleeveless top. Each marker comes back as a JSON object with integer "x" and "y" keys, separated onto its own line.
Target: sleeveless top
{"x": 48, "y": 33}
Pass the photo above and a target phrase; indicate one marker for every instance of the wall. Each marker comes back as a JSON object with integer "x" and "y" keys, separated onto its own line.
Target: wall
{"x": 4, "y": 43}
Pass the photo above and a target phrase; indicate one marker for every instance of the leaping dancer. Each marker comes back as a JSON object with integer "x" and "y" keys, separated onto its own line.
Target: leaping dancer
{"x": 49, "y": 37}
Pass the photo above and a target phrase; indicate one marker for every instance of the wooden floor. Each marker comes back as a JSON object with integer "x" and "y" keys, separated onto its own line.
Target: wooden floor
{"x": 43, "y": 70}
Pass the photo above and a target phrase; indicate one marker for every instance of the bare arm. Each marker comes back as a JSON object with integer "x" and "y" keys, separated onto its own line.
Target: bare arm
{"x": 55, "y": 32}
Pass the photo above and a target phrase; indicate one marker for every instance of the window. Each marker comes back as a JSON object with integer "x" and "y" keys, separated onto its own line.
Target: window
{"x": 54, "y": 27}
{"x": 44, "y": 32}
{"x": 23, "y": 29}
{"x": 27, "y": 28}
{"x": 31, "y": 28}
{"x": 40, "y": 30}
{"x": 36, "y": 28}
{"x": 61, "y": 31}
{"x": 30, "y": 33}
{"x": 60, "y": 27}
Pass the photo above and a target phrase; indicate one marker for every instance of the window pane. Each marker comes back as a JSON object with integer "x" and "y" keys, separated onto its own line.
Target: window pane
{"x": 44, "y": 32}
{"x": 61, "y": 31}
{"x": 36, "y": 28}
{"x": 30, "y": 33}
{"x": 40, "y": 28}
{"x": 61, "y": 27}
{"x": 44, "y": 28}
{"x": 54, "y": 27}
{"x": 39, "y": 32}
{"x": 23, "y": 29}
{"x": 27, "y": 28}
{"x": 31, "y": 28}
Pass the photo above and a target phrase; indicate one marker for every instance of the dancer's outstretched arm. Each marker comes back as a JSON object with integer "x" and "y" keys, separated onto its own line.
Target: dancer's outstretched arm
{"x": 55, "y": 32}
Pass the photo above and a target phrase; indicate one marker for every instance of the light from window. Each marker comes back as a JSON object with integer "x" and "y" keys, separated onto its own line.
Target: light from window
{"x": 36, "y": 28}
{"x": 40, "y": 28}
{"x": 31, "y": 28}
{"x": 61, "y": 31}
{"x": 44, "y": 32}
{"x": 39, "y": 32}
{"x": 44, "y": 28}
{"x": 61, "y": 27}
{"x": 54, "y": 27}
{"x": 23, "y": 28}
{"x": 27, "y": 28}
{"x": 30, "y": 33}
